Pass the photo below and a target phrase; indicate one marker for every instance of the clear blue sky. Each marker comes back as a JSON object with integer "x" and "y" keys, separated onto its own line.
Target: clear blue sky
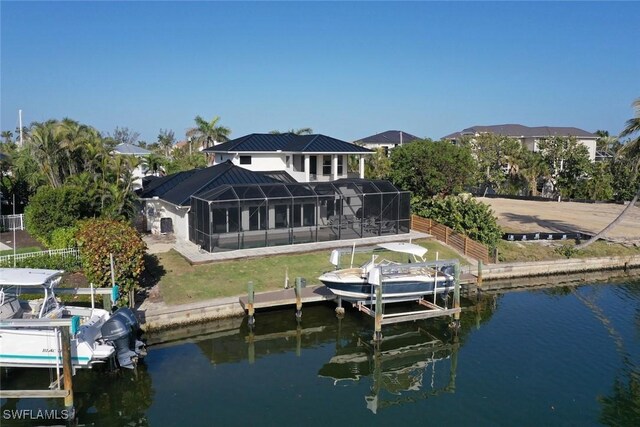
{"x": 348, "y": 70}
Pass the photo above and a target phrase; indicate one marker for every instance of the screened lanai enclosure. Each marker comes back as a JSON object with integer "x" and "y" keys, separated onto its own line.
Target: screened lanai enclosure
{"x": 257, "y": 215}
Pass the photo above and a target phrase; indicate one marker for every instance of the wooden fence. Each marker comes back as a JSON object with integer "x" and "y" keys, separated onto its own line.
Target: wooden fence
{"x": 443, "y": 233}
{"x": 68, "y": 252}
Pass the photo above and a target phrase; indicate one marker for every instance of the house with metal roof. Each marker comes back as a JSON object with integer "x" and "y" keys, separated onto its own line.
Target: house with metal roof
{"x": 306, "y": 158}
{"x": 226, "y": 207}
{"x": 530, "y": 137}
{"x": 386, "y": 140}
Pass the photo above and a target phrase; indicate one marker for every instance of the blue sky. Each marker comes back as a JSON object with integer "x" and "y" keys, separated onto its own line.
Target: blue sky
{"x": 348, "y": 70}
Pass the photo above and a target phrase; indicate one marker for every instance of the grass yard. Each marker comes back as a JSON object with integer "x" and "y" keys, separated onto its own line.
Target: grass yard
{"x": 543, "y": 250}
{"x": 182, "y": 283}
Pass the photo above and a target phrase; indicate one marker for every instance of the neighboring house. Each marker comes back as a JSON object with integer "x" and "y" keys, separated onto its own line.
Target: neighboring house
{"x": 530, "y": 137}
{"x": 133, "y": 150}
{"x": 226, "y": 207}
{"x": 306, "y": 158}
{"x": 387, "y": 140}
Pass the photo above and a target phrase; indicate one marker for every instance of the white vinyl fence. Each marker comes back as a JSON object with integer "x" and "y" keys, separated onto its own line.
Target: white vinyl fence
{"x": 68, "y": 252}
{"x": 12, "y": 222}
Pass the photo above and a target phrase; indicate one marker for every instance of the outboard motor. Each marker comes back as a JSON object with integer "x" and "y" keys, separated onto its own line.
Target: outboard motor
{"x": 121, "y": 331}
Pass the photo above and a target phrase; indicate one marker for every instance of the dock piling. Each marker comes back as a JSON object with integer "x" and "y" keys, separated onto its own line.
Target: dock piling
{"x": 67, "y": 369}
{"x": 298, "y": 299}
{"x": 377, "y": 335}
{"x": 250, "y": 309}
{"x": 479, "y": 278}
{"x": 456, "y": 296}
{"x": 340, "y": 309}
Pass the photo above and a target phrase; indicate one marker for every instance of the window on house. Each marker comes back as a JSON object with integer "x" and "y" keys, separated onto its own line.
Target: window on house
{"x": 245, "y": 160}
{"x": 326, "y": 165}
{"x": 340, "y": 164}
{"x": 313, "y": 165}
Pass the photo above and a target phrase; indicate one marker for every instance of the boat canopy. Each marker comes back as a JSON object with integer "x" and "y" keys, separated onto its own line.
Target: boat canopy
{"x": 29, "y": 277}
{"x": 407, "y": 248}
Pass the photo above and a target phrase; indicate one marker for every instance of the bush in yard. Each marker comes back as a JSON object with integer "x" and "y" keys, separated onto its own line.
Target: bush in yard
{"x": 51, "y": 208}
{"x": 100, "y": 237}
{"x": 464, "y": 215}
{"x": 63, "y": 237}
{"x": 52, "y": 262}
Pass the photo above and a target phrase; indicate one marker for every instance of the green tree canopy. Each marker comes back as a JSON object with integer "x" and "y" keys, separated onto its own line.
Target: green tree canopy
{"x": 427, "y": 168}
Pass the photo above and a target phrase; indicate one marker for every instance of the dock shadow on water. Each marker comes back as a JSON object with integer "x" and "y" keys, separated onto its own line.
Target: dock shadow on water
{"x": 563, "y": 356}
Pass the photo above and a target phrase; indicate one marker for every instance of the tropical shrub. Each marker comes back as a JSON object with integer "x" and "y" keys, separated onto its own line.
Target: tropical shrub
{"x": 464, "y": 215}
{"x": 98, "y": 238}
{"x": 51, "y": 208}
{"x": 63, "y": 237}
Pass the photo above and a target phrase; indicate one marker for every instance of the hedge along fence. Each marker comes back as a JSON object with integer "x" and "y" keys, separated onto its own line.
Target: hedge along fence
{"x": 460, "y": 242}
{"x": 64, "y": 259}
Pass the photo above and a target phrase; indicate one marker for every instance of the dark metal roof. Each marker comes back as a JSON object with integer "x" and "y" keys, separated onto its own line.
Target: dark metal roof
{"x": 300, "y": 190}
{"x": 179, "y": 187}
{"x": 389, "y": 137}
{"x": 281, "y": 176}
{"x": 286, "y": 142}
{"x": 517, "y": 131}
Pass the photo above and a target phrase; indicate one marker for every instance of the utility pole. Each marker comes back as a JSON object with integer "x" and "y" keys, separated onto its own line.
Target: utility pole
{"x": 20, "y": 124}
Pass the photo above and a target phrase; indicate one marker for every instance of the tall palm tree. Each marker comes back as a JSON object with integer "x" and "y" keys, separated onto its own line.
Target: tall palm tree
{"x": 7, "y": 135}
{"x": 166, "y": 139}
{"x": 46, "y": 150}
{"x": 207, "y": 133}
{"x": 299, "y": 131}
{"x": 631, "y": 150}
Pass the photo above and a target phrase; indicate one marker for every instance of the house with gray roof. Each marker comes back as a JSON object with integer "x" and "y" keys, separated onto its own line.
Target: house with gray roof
{"x": 530, "y": 137}
{"x": 386, "y": 140}
{"x": 306, "y": 158}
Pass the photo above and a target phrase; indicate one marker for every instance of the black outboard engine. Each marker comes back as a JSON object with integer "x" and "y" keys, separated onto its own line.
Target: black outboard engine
{"x": 121, "y": 330}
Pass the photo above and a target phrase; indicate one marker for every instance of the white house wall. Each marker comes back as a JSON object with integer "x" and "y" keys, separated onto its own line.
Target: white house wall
{"x": 155, "y": 210}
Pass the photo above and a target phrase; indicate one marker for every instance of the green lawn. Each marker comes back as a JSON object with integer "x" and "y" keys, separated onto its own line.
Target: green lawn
{"x": 542, "y": 251}
{"x": 181, "y": 282}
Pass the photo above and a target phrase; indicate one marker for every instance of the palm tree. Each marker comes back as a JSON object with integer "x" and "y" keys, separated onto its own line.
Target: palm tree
{"x": 631, "y": 150}
{"x": 166, "y": 139}
{"x": 152, "y": 164}
{"x": 7, "y": 135}
{"x": 207, "y": 133}
{"x": 300, "y": 131}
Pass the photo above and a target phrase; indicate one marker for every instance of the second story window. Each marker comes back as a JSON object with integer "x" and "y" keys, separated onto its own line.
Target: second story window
{"x": 326, "y": 165}
{"x": 245, "y": 160}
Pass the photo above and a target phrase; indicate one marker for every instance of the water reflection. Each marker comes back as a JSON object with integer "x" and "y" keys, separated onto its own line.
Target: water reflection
{"x": 409, "y": 364}
{"x": 100, "y": 398}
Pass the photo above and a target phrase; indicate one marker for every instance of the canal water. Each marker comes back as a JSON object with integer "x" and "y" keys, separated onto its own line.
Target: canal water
{"x": 561, "y": 356}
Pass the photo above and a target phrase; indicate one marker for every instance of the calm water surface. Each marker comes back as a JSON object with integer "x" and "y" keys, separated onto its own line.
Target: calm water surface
{"x": 567, "y": 356}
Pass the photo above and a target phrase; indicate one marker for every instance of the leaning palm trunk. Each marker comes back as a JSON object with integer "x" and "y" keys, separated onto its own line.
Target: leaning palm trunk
{"x": 615, "y": 222}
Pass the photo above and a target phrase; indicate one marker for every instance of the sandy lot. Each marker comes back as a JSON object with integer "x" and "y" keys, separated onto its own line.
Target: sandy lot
{"x": 529, "y": 217}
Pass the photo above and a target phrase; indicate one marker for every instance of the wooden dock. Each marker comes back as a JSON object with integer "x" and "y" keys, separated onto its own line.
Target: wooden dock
{"x": 285, "y": 297}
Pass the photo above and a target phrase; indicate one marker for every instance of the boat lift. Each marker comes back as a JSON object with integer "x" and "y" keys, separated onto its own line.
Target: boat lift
{"x": 432, "y": 309}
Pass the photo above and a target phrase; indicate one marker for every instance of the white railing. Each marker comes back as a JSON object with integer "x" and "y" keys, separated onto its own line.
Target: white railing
{"x": 65, "y": 253}
{"x": 12, "y": 222}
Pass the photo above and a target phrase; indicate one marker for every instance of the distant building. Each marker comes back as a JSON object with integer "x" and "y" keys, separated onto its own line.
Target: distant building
{"x": 136, "y": 151}
{"x": 530, "y": 137}
{"x": 387, "y": 140}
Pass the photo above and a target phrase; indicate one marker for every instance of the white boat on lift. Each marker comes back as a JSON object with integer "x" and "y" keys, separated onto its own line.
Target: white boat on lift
{"x": 400, "y": 281}
{"x": 97, "y": 337}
